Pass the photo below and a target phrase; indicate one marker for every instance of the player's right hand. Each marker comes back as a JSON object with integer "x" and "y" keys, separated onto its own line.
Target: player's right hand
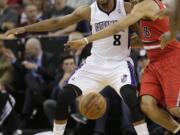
{"x": 16, "y": 31}
{"x": 76, "y": 44}
{"x": 165, "y": 38}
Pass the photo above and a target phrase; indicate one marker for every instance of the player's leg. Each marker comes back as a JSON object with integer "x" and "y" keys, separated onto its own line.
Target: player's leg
{"x": 100, "y": 124}
{"x": 161, "y": 117}
{"x": 123, "y": 81}
{"x": 66, "y": 97}
{"x": 171, "y": 83}
{"x": 152, "y": 95}
{"x": 129, "y": 94}
{"x": 80, "y": 82}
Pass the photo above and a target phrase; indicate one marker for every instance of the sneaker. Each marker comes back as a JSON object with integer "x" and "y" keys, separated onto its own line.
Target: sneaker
{"x": 18, "y": 132}
{"x": 79, "y": 118}
{"x": 59, "y": 133}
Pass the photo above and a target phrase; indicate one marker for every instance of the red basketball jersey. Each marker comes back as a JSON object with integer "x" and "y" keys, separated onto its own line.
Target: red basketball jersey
{"x": 151, "y": 31}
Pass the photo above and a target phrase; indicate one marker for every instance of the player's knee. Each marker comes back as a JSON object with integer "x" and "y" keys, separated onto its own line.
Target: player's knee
{"x": 175, "y": 111}
{"x": 129, "y": 94}
{"x": 148, "y": 104}
{"x": 69, "y": 93}
{"x": 65, "y": 98}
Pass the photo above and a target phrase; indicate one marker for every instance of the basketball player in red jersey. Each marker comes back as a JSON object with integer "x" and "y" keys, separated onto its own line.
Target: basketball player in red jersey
{"x": 161, "y": 81}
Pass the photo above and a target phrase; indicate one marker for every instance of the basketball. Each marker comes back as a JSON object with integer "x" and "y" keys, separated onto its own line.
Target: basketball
{"x": 92, "y": 105}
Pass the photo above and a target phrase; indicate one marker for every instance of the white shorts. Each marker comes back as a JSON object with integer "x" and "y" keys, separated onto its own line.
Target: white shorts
{"x": 95, "y": 75}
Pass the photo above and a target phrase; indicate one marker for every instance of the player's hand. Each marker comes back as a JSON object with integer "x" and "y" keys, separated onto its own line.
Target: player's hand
{"x": 165, "y": 38}
{"x": 162, "y": 13}
{"x": 16, "y": 31}
{"x": 76, "y": 44}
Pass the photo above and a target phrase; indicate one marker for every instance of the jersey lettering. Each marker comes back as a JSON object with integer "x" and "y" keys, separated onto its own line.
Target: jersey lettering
{"x": 147, "y": 32}
{"x": 117, "y": 40}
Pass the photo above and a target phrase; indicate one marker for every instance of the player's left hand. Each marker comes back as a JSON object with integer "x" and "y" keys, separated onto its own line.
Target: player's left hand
{"x": 165, "y": 38}
{"x": 162, "y": 13}
{"x": 76, "y": 44}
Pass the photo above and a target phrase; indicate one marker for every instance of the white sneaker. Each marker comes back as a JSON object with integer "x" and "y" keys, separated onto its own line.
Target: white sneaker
{"x": 59, "y": 132}
{"x": 59, "y": 129}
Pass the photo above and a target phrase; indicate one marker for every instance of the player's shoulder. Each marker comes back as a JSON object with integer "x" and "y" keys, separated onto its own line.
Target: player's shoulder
{"x": 143, "y": 6}
{"x": 81, "y": 9}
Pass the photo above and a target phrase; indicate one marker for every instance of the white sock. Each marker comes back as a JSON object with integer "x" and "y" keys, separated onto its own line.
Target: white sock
{"x": 176, "y": 130}
{"x": 141, "y": 129}
{"x": 58, "y": 129}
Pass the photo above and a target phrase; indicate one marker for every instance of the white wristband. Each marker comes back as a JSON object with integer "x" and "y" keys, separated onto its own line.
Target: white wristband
{"x": 176, "y": 130}
{"x": 86, "y": 40}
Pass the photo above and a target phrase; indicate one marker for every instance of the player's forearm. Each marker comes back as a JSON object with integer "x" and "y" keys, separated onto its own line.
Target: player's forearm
{"x": 48, "y": 25}
{"x": 68, "y": 29}
{"x": 113, "y": 29}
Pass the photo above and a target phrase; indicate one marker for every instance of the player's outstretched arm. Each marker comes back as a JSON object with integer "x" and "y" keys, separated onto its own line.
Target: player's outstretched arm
{"x": 135, "y": 15}
{"x": 54, "y": 23}
{"x": 130, "y": 19}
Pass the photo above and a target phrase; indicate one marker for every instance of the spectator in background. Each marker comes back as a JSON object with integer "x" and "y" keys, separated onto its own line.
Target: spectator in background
{"x": 7, "y": 102}
{"x": 39, "y": 4}
{"x": 29, "y": 16}
{"x": 43, "y": 6}
{"x": 61, "y": 9}
{"x": 8, "y": 16}
{"x": 6, "y": 69}
{"x": 25, "y": 2}
{"x": 8, "y": 119}
{"x": 68, "y": 66}
{"x": 38, "y": 78}
{"x": 38, "y": 69}
{"x": 77, "y": 3}
{"x": 14, "y": 2}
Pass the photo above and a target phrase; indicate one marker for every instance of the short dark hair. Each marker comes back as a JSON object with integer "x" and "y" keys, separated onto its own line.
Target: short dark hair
{"x": 63, "y": 58}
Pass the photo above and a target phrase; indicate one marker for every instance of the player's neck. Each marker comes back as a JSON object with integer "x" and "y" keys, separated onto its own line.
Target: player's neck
{"x": 109, "y": 6}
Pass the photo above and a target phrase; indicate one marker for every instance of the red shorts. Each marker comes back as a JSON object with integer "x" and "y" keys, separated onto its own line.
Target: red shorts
{"x": 161, "y": 80}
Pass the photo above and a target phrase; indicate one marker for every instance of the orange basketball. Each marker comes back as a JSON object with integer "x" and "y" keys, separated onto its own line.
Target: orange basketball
{"x": 92, "y": 105}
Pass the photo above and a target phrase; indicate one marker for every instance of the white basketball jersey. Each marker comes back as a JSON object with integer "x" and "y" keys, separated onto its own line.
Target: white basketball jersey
{"x": 115, "y": 47}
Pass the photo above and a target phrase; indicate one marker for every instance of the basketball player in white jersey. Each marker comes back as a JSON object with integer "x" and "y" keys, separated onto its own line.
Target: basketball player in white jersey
{"x": 109, "y": 63}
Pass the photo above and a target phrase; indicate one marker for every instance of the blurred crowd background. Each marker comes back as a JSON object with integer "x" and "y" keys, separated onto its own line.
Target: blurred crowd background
{"x": 34, "y": 67}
